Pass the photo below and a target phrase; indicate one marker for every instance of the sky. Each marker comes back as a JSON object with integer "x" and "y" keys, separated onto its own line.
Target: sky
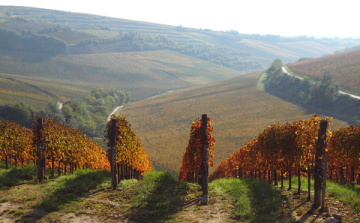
{"x": 318, "y": 18}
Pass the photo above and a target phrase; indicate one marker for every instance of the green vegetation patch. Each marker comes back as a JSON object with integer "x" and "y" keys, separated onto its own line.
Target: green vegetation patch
{"x": 67, "y": 190}
{"x": 255, "y": 201}
{"x": 158, "y": 197}
{"x": 16, "y": 176}
{"x": 261, "y": 83}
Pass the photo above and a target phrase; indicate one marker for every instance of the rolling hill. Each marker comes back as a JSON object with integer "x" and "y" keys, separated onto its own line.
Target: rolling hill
{"x": 344, "y": 67}
{"x": 57, "y": 55}
{"x": 256, "y": 51}
{"x": 144, "y": 74}
{"x": 238, "y": 112}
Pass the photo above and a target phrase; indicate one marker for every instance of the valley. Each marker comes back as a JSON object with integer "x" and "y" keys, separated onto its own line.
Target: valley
{"x": 259, "y": 91}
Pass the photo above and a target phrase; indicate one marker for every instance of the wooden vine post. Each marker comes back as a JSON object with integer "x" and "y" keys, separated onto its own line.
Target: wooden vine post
{"x": 40, "y": 140}
{"x": 319, "y": 164}
{"x": 205, "y": 165}
{"x": 323, "y": 207}
{"x": 112, "y": 152}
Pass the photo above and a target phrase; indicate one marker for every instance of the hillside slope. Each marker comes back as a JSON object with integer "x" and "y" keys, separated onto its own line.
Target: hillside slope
{"x": 254, "y": 51}
{"x": 144, "y": 74}
{"x": 345, "y": 69}
{"x": 237, "y": 109}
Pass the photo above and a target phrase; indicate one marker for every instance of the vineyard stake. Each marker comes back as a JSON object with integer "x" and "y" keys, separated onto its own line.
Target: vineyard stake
{"x": 318, "y": 163}
{"x": 205, "y": 197}
{"x": 324, "y": 183}
{"x": 112, "y": 152}
{"x": 40, "y": 168}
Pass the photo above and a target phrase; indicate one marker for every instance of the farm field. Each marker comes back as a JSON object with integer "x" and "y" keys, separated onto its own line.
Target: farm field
{"x": 144, "y": 74}
{"x": 345, "y": 69}
{"x": 238, "y": 112}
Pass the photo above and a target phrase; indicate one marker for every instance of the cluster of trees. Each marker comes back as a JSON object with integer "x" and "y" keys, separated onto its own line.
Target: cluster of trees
{"x": 220, "y": 55}
{"x": 54, "y": 29}
{"x": 125, "y": 42}
{"x": 21, "y": 113}
{"x": 30, "y": 42}
{"x": 321, "y": 95}
{"x": 88, "y": 114}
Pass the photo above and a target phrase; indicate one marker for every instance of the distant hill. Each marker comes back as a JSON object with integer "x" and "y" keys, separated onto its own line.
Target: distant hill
{"x": 144, "y": 74}
{"x": 344, "y": 67}
{"x": 238, "y": 112}
{"x": 239, "y": 51}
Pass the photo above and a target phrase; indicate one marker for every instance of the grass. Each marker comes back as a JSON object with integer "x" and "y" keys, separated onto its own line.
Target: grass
{"x": 255, "y": 201}
{"x": 238, "y": 112}
{"x": 159, "y": 197}
{"x": 343, "y": 198}
{"x": 16, "y": 176}
{"x": 69, "y": 189}
{"x": 261, "y": 83}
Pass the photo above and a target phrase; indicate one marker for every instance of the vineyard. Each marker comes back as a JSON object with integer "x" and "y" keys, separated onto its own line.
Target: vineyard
{"x": 53, "y": 145}
{"x": 278, "y": 153}
{"x": 127, "y": 157}
{"x": 299, "y": 148}
{"x": 343, "y": 67}
{"x": 192, "y": 164}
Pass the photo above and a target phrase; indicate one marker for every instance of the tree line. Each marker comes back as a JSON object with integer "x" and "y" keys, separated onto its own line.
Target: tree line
{"x": 30, "y": 42}
{"x": 88, "y": 114}
{"x": 322, "y": 95}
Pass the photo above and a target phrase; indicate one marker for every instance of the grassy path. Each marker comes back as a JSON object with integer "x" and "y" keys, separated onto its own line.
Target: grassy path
{"x": 86, "y": 196}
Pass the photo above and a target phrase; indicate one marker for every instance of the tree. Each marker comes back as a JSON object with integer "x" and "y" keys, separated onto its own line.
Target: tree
{"x": 325, "y": 93}
{"x": 68, "y": 112}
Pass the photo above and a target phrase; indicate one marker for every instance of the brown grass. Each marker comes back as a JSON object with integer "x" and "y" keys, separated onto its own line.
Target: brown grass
{"x": 237, "y": 109}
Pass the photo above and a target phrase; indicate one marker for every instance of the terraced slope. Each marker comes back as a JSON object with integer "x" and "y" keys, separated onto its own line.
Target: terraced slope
{"x": 144, "y": 74}
{"x": 237, "y": 109}
{"x": 345, "y": 69}
{"x": 252, "y": 50}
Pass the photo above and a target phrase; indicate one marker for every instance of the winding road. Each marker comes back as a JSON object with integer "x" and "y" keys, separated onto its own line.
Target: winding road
{"x": 340, "y": 92}
{"x": 152, "y": 97}
{"x": 114, "y": 111}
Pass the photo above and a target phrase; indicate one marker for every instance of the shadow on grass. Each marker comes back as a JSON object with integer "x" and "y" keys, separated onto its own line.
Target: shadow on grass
{"x": 265, "y": 201}
{"x": 16, "y": 176}
{"x": 69, "y": 189}
{"x": 158, "y": 197}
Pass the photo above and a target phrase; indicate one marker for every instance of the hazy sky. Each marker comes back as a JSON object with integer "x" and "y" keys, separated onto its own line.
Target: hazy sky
{"x": 319, "y": 18}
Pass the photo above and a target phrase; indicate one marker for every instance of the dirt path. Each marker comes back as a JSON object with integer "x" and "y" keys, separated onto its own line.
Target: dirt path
{"x": 340, "y": 92}
{"x": 114, "y": 111}
{"x": 155, "y": 96}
